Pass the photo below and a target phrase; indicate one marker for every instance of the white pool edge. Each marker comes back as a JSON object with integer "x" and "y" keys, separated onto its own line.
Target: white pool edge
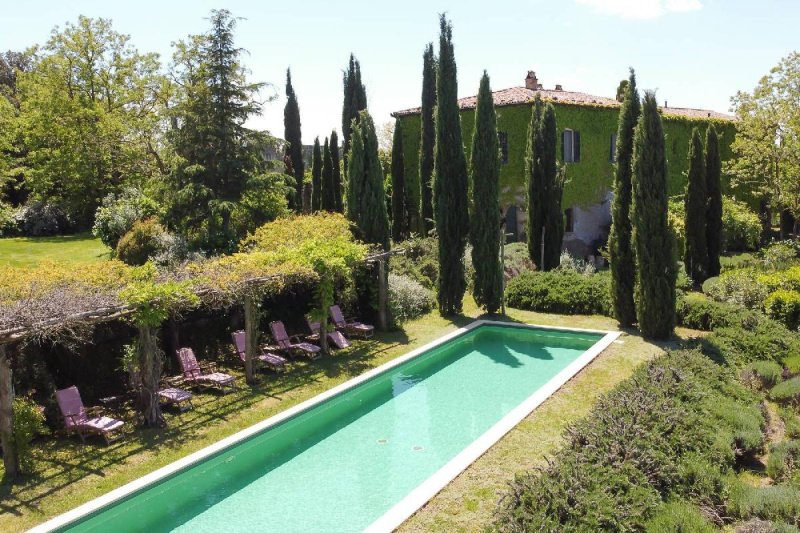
{"x": 415, "y": 499}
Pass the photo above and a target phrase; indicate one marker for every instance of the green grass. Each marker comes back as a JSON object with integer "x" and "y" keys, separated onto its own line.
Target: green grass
{"x": 74, "y": 249}
{"x": 70, "y": 474}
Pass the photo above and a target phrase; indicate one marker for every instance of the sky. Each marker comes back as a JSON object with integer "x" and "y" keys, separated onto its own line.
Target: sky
{"x": 694, "y": 53}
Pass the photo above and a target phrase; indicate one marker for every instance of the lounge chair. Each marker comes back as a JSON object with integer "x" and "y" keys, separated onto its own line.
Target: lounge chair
{"x": 335, "y": 337}
{"x": 86, "y": 421}
{"x": 353, "y": 327}
{"x": 268, "y": 359}
{"x": 194, "y": 374}
{"x": 168, "y": 393}
{"x": 292, "y": 345}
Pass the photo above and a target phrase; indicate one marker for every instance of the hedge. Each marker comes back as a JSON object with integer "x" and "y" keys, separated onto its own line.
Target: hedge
{"x": 784, "y": 306}
{"x": 562, "y": 292}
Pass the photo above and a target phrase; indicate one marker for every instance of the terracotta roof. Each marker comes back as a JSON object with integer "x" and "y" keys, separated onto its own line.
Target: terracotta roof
{"x": 522, "y": 95}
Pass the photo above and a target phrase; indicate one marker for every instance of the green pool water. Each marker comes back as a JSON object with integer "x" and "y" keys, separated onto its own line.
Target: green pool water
{"x": 342, "y": 464}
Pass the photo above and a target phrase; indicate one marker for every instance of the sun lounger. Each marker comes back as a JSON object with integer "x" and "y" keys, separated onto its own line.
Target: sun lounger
{"x": 268, "y": 359}
{"x": 86, "y": 421}
{"x": 292, "y": 345}
{"x": 193, "y": 374}
{"x": 353, "y": 327}
{"x": 335, "y": 337}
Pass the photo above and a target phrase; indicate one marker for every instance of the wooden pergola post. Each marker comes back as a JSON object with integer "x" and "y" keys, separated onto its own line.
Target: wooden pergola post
{"x": 10, "y": 458}
{"x": 150, "y": 371}
{"x": 250, "y": 338}
{"x": 383, "y": 295}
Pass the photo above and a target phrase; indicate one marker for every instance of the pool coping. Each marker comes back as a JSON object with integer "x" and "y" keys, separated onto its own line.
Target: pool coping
{"x": 416, "y": 498}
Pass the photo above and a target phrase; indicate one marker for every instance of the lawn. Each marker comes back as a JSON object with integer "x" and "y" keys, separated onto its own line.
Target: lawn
{"x": 70, "y": 474}
{"x": 73, "y": 249}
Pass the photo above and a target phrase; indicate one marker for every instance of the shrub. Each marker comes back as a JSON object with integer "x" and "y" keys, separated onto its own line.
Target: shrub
{"x": 570, "y": 263}
{"x": 517, "y": 260}
{"x": 118, "y": 212}
{"x": 420, "y": 261}
{"x": 791, "y": 422}
{"x": 784, "y": 306}
{"x": 560, "y": 291}
{"x": 39, "y": 219}
{"x": 678, "y": 517}
{"x": 28, "y": 422}
{"x": 739, "y": 287}
{"x": 698, "y": 312}
{"x": 756, "y": 525}
{"x": 756, "y": 338}
{"x": 779, "y": 254}
{"x": 141, "y": 243}
{"x": 741, "y": 227}
{"x": 784, "y": 460}
{"x": 788, "y": 279}
{"x": 787, "y": 392}
{"x": 776, "y": 502}
{"x": 8, "y": 221}
{"x": 173, "y": 250}
{"x": 764, "y": 373}
{"x": 407, "y": 298}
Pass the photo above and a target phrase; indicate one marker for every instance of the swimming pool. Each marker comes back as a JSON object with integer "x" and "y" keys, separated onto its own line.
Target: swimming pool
{"x": 364, "y": 455}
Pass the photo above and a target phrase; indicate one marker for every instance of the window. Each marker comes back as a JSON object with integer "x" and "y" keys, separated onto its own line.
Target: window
{"x": 571, "y": 146}
{"x": 502, "y": 136}
{"x": 569, "y": 220}
{"x": 612, "y": 154}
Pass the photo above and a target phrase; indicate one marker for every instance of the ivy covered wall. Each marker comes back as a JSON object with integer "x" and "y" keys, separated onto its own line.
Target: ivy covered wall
{"x": 590, "y": 178}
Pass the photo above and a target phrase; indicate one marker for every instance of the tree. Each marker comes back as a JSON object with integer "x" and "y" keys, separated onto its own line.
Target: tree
{"x": 450, "y": 180}
{"x": 399, "y": 212}
{"x": 553, "y": 220}
{"x": 89, "y": 116}
{"x": 427, "y": 139}
{"x": 366, "y": 205}
{"x": 619, "y": 239}
{"x": 221, "y": 187}
{"x": 355, "y": 101}
{"x": 766, "y": 152}
{"x": 622, "y": 89}
{"x": 294, "y": 140}
{"x": 652, "y": 241}
{"x": 337, "y": 173}
{"x": 714, "y": 208}
{"x": 328, "y": 201}
{"x": 316, "y": 177}
{"x": 696, "y": 203}
{"x": 485, "y": 221}
{"x": 534, "y": 176}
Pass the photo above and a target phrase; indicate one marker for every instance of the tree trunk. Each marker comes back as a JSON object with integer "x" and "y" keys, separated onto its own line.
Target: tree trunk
{"x": 150, "y": 369}
{"x": 383, "y": 296}
{"x": 174, "y": 336}
{"x": 765, "y": 214}
{"x": 250, "y": 338}
{"x": 787, "y": 224}
{"x": 323, "y": 334}
{"x": 10, "y": 459}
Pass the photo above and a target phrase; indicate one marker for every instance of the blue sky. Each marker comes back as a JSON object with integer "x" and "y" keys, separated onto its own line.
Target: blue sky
{"x": 695, "y": 53}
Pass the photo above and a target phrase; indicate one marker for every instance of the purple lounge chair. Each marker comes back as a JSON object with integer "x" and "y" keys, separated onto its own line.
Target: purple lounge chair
{"x": 352, "y": 327}
{"x": 268, "y": 359}
{"x": 168, "y": 393}
{"x": 292, "y": 345}
{"x": 78, "y": 419}
{"x": 335, "y": 337}
{"x": 193, "y": 374}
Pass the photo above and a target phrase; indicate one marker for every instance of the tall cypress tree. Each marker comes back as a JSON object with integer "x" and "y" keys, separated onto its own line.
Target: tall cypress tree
{"x": 427, "y": 139}
{"x": 366, "y": 197}
{"x": 337, "y": 173}
{"x": 652, "y": 241}
{"x": 714, "y": 209}
{"x": 695, "y": 257}
{"x": 399, "y": 212}
{"x": 328, "y": 201}
{"x": 619, "y": 240}
{"x": 450, "y": 180}
{"x": 292, "y": 134}
{"x": 355, "y": 100}
{"x": 316, "y": 177}
{"x": 534, "y": 176}
{"x": 553, "y": 219}
{"x": 485, "y": 222}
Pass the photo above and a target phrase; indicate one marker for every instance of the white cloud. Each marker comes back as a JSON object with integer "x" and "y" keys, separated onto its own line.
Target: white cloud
{"x": 641, "y": 9}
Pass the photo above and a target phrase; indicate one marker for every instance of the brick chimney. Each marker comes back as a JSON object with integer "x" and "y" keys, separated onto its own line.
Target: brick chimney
{"x": 559, "y": 87}
{"x": 531, "y": 82}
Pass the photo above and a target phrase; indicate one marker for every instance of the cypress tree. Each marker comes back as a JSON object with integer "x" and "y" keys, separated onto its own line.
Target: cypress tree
{"x": 553, "y": 217}
{"x": 355, "y": 100}
{"x": 316, "y": 177}
{"x": 328, "y": 201}
{"x": 294, "y": 148}
{"x": 399, "y": 213}
{"x": 714, "y": 209}
{"x": 695, "y": 257}
{"x": 623, "y": 269}
{"x": 534, "y": 175}
{"x": 366, "y": 205}
{"x": 485, "y": 223}
{"x": 652, "y": 241}
{"x": 450, "y": 180}
{"x": 427, "y": 139}
{"x": 337, "y": 173}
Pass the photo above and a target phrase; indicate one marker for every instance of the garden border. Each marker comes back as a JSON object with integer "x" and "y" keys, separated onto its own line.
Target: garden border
{"x": 419, "y": 496}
